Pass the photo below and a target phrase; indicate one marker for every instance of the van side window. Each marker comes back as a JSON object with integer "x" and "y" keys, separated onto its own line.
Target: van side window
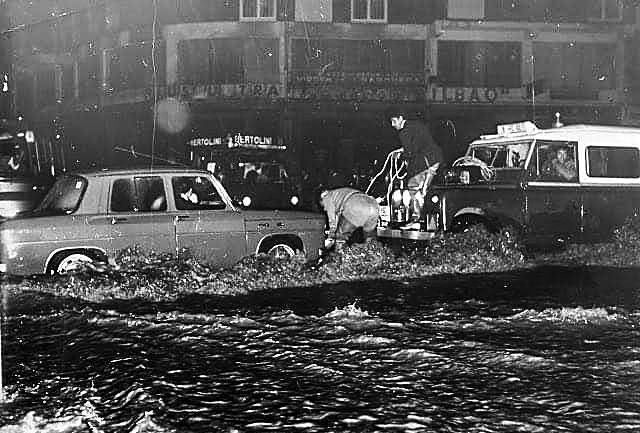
{"x": 616, "y": 162}
{"x": 554, "y": 161}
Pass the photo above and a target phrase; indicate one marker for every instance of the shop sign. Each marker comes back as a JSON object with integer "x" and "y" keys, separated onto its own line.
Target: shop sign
{"x": 478, "y": 95}
{"x": 356, "y": 93}
{"x": 371, "y": 78}
{"x": 237, "y": 141}
{"x": 190, "y": 92}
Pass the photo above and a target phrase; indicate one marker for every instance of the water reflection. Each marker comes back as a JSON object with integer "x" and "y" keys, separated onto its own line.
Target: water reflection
{"x": 540, "y": 350}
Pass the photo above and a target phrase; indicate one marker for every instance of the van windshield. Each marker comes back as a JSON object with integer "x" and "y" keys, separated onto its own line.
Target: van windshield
{"x": 13, "y": 158}
{"x": 511, "y": 154}
{"x": 63, "y": 198}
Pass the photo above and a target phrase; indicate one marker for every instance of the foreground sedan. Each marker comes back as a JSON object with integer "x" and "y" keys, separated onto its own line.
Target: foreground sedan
{"x": 91, "y": 216}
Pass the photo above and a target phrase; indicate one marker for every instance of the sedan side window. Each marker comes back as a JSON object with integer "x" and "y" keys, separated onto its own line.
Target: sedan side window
{"x": 196, "y": 193}
{"x": 141, "y": 194}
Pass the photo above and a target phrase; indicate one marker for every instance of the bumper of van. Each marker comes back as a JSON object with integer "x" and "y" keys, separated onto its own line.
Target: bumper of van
{"x": 415, "y": 235}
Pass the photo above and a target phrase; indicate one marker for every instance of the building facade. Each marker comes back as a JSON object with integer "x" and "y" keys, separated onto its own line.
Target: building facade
{"x": 117, "y": 79}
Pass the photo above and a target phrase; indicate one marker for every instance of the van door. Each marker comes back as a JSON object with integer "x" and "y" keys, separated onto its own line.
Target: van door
{"x": 611, "y": 191}
{"x": 552, "y": 211}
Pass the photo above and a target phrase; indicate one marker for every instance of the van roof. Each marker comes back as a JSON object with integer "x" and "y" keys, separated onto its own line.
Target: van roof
{"x": 563, "y": 132}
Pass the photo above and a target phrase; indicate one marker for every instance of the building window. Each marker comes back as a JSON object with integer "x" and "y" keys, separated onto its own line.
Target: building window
{"x": 68, "y": 82}
{"x": 617, "y": 162}
{"x": 46, "y": 87}
{"x": 258, "y": 10}
{"x": 605, "y": 10}
{"x": 345, "y": 58}
{"x": 369, "y": 11}
{"x": 553, "y": 10}
{"x": 573, "y": 70}
{"x": 88, "y": 75}
{"x": 479, "y": 64}
{"x": 131, "y": 67}
{"x": 228, "y": 61}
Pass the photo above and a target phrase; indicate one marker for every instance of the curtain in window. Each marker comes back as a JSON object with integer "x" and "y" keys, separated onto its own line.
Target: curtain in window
{"x": 377, "y": 9}
{"x": 360, "y": 9}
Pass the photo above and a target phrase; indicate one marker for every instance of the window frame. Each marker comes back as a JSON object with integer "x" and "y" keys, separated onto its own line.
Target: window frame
{"x": 535, "y": 165}
{"x": 134, "y": 183}
{"x": 592, "y": 176}
{"x": 258, "y": 10}
{"x": 383, "y": 20}
{"x": 603, "y": 13}
{"x": 182, "y": 204}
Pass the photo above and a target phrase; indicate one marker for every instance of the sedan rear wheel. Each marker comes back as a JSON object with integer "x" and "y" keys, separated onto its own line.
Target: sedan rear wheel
{"x": 72, "y": 262}
{"x": 281, "y": 251}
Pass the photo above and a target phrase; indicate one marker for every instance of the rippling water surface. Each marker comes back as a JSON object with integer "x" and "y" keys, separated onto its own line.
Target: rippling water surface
{"x": 550, "y": 349}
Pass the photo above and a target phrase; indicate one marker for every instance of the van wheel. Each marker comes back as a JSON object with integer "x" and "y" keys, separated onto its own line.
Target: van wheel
{"x": 281, "y": 251}
{"x": 70, "y": 262}
{"x": 463, "y": 224}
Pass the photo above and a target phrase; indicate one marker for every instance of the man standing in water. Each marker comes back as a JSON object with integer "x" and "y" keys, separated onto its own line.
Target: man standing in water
{"x": 422, "y": 155}
{"x": 348, "y": 209}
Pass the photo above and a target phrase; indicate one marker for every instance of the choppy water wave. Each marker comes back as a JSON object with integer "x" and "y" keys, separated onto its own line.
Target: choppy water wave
{"x": 572, "y": 315}
{"x": 355, "y": 343}
{"x": 459, "y": 364}
{"x": 139, "y": 274}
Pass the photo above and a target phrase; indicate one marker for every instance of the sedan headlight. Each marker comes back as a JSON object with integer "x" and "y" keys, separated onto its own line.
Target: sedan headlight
{"x": 295, "y": 200}
{"x": 246, "y": 201}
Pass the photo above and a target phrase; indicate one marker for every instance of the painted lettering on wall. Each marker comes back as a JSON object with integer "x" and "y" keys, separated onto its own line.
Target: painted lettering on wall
{"x": 466, "y": 94}
{"x": 356, "y": 93}
{"x": 189, "y": 92}
{"x": 371, "y": 78}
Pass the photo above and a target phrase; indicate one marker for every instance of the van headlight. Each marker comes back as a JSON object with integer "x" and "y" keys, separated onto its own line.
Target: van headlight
{"x": 406, "y": 198}
{"x": 435, "y": 199}
{"x": 246, "y": 201}
{"x": 396, "y": 198}
{"x": 295, "y": 200}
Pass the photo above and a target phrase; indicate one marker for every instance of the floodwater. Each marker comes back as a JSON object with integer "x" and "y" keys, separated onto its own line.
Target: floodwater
{"x": 545, "y": 349}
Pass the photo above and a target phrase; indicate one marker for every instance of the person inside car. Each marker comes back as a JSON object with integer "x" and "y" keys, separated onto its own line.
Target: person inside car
{"x": 561, "y": 166}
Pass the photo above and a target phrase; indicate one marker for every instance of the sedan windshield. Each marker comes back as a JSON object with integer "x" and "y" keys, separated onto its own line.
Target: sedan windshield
{"x": 64, "y": 197}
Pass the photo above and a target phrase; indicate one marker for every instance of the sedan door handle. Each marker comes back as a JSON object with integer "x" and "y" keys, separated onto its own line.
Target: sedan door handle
{"x": 182, "y": 217}
{"x": 116, "y": 220}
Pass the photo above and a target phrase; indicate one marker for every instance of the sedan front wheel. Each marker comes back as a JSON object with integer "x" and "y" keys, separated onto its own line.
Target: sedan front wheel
{"x": 71, "y": 263}
{"x": 281, "y": 251}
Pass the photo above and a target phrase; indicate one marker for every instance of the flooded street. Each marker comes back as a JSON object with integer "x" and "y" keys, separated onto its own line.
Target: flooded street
{"x": 547, "y": 349}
